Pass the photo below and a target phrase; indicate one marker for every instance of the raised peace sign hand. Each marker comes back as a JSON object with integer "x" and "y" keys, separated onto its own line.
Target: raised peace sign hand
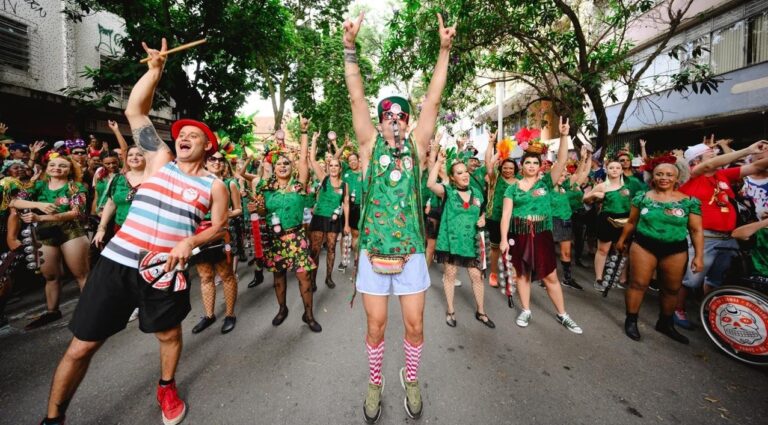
{"x": 351, "y": 28}
{"x": 446, "y": 33}
{"x": 565, "y": 127}
{"x": 156, "y": 59}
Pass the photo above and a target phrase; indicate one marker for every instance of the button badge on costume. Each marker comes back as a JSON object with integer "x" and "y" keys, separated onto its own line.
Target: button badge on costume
{"x": 407, "y": 163}
{"x": 190, "y": 194}
{"x": 395, "y": 175}
{"x": 385, "y": 160}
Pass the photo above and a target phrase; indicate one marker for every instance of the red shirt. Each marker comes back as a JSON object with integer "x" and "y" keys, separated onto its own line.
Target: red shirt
{"x": 717, "y": 212}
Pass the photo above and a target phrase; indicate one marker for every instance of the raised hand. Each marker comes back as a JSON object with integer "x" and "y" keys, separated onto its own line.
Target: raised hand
{"x": 446, "y": 33}
{"x": 156, "y": 59}
{"x": 757, "y": 147}
{"x": 564, "y": 127}
{"x": 492, "y": 137}
{"x": 315, "y": 136}
{"x": 351, "y": 28}
{"x": 112, "y": 125}
{"x": 642, "y": 143}
{"x": 3, "y": 128}
{"x": 37, "y": 146}
{"x": 304, "y": 123}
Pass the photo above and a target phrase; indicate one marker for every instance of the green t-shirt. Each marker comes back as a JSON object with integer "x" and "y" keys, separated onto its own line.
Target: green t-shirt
{"x": 353, "y": 179}
{"x": 665, "y": 221}
{"x": 65, "y": 198}
{"x": 760, "y": 253}
{"x": 477, "y": 179}
{"x": 288, "y": 204}
{"x": 496, "y": 203}
{"x": 561, "y": 205}
{"x": 328, "y": 198}
{"x": 392, "y": 216}
{"x": 119, "y": 191}
{"x": 617, "y": 201}
{"x": 100, "y": 191}
{"x": 458, "y": 225}
{"x": 531, "y": 209}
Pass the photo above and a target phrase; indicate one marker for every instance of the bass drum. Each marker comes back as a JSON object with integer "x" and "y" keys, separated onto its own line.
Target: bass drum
{"x": 736, "y": 320}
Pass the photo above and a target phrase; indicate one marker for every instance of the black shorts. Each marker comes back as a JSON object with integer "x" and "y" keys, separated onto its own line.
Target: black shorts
{"x": 326, "y": 225}
{"x": 659, "y": 248}
{"x": 354, "y": 216}
{"x": 607, "y": 232}
{"x": 494, "y": 231}
{"x": 111, "y": 293}
{"x": 432, "y": 227}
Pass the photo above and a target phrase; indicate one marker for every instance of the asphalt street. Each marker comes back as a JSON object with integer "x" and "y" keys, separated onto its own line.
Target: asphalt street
{"x": 260, "y": 374}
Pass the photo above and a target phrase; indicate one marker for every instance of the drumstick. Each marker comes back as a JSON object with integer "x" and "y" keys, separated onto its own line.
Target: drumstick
{"x": 178, "y": 49}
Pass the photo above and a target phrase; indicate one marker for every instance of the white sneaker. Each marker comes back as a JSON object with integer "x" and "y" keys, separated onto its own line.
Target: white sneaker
{"x": 457, "y": 283}
{"x": 134, "y": 315}
{"x": 523, "y": 318}
{"x": 569, "y": 323}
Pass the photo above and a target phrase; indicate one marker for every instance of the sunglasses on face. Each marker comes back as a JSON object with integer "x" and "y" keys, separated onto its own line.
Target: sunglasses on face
{"x": 401, "y": 116}
{"x": 624, "y": 160}
{"x": 216, "y": 159}
{"x": 78, "y": 152}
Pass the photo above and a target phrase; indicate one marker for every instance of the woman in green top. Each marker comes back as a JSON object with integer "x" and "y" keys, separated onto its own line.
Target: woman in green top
{"x": 110, "y": 168}
{"x": 615, "y": 198}
{"x": 354, "y": 181}
{"x": 457, "y": 244}
{"x": 61, "y": 233}
{"x": 330, "y": 213}
{"x": 499, "y": 181}
{"x": 527, "y": 208}
{"x": 284, "y": 198}
{"x": 661, "y": 220}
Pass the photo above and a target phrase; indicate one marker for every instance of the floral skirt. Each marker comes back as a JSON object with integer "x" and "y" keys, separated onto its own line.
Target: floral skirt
{"x": 288, "y": 251}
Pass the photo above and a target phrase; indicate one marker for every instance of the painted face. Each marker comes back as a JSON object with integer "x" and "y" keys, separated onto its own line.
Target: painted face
{"x": 665, "y": 176}
{"x": 111, "y": 164}
{"x": 531, "y": 167}
{"x": 135, "y": 159}
{"x": 508, "y": 170}
{"x": 614, "y": 169}
{"x": 58, "y": 167}
{"x": 191, "y": 144}
{"x": 283, "y": 168}
{"x": 460, "y": 175}
{"x": 334, "y": 167}
{"x": 354, "y": 162}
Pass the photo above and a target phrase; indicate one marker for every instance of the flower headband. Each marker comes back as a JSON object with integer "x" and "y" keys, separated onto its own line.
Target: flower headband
{"x": 8, "y": 164}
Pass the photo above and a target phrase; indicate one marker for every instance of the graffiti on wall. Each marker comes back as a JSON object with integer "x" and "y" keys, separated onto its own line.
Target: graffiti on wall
{"x": 108, "y": 41}
{"x": 12, "y": 6}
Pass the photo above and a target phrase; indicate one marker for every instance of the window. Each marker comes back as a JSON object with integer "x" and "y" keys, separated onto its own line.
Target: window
{"x": 728, "y": 50}
{"x": 14, "y": 44}
{"x": 758, "y": 38}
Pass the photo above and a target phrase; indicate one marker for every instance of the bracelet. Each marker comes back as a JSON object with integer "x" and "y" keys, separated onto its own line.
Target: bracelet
{"x": 346, "y": 50}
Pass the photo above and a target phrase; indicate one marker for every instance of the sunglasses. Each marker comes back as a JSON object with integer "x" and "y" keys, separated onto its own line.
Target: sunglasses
{"x": 402, "y": 116}
{"x": 623, "y": 160}
{"x": 78, "y": 152}
{"x": 215, "y": 159}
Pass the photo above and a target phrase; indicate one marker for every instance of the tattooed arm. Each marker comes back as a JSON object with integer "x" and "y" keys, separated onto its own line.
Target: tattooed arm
{"x": 156, "y": 152}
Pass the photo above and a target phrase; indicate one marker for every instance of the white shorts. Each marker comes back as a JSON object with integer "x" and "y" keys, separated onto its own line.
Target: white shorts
{"x": 413, "y": 279}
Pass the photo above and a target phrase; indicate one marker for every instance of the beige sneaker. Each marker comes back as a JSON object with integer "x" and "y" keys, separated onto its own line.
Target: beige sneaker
{"x": 412, "y": 399}
{"x": 372, "y": 403}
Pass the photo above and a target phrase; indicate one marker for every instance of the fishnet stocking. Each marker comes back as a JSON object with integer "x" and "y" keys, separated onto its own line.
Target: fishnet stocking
{"x": 230, "y": 285}
{"x": 330, "y": 254}
{"x": 305, "y": 287}
{"x": 315, "y": 245}
{"x": 280, "y": 285}
{"x": 207, "y": 288}
{"x": 475, "y": 276}
{"x": 449, "y": 278}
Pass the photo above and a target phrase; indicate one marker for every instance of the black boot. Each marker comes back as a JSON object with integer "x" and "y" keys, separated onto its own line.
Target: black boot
{"x": 630, "y": 326}
{"x": 667, "y": 327}
{"x": 281, "y": 315}
{"x": 258, "y": 278}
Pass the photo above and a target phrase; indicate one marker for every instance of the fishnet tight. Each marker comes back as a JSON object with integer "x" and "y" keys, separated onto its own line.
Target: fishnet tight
{"x": 207, "y": 272}
{"x": 449, "y": 278}
{"x": 305, "y": 288}
{"x": 316, "y": 240}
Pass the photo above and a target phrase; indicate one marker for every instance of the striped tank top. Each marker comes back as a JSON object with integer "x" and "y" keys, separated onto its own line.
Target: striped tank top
{"x": 167, "y": 208}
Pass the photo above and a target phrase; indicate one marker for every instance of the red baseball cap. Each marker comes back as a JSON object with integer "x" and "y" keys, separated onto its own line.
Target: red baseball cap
{"x": 176, "y": 128}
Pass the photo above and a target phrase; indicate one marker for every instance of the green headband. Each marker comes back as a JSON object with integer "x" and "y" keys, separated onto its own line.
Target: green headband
{"x": 387, "y": 103}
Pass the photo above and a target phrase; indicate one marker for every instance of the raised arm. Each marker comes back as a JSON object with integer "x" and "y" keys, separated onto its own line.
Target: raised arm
{"x": 713, "y": 164}
{"x": 120, "y": 139}
{"x": 562, "y": 151}
{"x": 361, "y": 118}
{"x": 156, "y": 152}
{"x": 746, "y": 231}
{"x": 312, "y": 158}
{"x": 431, "y": 105}
{"x": 643, "y": 151}
{"x": 432, "y": 183}
{"x": 302, "y": 164}
{"x": 754, "y": 168}
{"x": 582, "y": 172}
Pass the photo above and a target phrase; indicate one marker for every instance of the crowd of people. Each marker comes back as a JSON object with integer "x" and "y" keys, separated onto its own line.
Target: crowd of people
{"x": 126, "y": 223}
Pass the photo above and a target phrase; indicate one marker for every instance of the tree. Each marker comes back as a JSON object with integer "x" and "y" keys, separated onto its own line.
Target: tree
{"x": 563, "y": 54}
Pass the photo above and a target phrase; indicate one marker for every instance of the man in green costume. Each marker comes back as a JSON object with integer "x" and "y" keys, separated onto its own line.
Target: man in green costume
{"x": 392, "y": 260}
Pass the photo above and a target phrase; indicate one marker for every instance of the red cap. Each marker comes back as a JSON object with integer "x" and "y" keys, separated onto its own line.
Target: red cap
{"x": 176, "y": 128}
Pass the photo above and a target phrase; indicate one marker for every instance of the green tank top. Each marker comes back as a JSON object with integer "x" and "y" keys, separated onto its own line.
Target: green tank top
{"x": 496, "y": 203}
{"x": 392, "y": 215}
{"x": 617, "y": 201}
{"x": 561, "y": 205}
{"x": 64, "y": 198}
{"x": 287, "y": 204}
{"x": 328, "y": 198}
{"x": 119, "y": 191}
{"x": 760, "y": 253}
{"x": 458, "y": 224}
{"x": 665, "y": 221}
{"x": 353, "y": 180}
{"x": 531, "y": 210}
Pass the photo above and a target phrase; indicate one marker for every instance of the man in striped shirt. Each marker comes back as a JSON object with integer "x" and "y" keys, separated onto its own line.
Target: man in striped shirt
{"x": 164, "y": 214}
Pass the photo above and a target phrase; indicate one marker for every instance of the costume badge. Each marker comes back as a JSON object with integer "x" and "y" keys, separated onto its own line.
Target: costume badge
{"x": 407, "y": 163}
{"x": 385, "y": 160}
{"x": 723, "y": 185}
{"x": 644, "y": 211}
{"x": 190, "y": 194}
{"x": 395, "y": 175}
{"x": 624, "y": 192}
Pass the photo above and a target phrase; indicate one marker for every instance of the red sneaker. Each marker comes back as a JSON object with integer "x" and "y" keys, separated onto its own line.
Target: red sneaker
{"x": 493, "y": 280}
{"x": 174, "y": 409}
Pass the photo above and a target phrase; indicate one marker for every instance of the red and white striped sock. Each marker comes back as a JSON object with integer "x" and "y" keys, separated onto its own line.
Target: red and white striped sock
{"x": 412, "y": 360}
{"x": 375, "y": 358}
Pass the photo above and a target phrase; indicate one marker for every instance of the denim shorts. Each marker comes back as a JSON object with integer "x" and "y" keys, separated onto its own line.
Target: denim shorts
{"x": 717, "y": 260}
{"x": 413, "y": 279}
